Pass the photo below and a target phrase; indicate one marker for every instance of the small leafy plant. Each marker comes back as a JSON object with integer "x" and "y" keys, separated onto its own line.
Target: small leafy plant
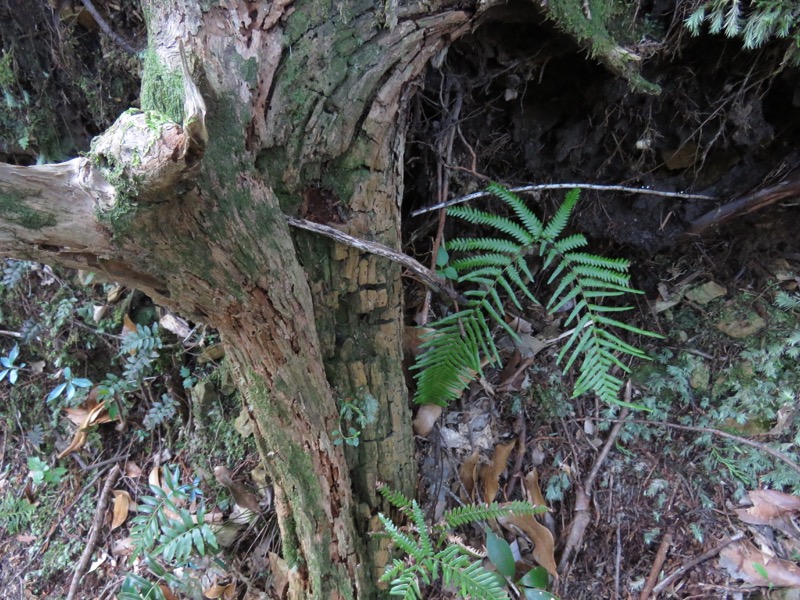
{"x": 492, "y": 266}
{"x": 432, "y": 554}
{"x": 359, "y": 413}
{"x": 40, "y": 472}
{"x": 9, "y": 368}
{"x": 165, "y": 528}
{"x": 69, "y": 387}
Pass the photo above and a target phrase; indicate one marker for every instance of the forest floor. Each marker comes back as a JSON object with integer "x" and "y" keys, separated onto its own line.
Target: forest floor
{"x": 660, "y": 495}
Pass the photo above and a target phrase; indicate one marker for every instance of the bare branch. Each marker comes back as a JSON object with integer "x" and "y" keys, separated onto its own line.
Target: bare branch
{"x": 564, "y": 186}
{"x": 428, "y": 277}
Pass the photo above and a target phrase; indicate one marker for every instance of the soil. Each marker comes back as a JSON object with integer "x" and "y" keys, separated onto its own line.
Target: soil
{"x": 517, "y": 103}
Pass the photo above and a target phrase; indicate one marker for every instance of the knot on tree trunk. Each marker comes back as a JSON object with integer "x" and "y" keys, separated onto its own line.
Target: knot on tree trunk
{"x": 146, "y": 157}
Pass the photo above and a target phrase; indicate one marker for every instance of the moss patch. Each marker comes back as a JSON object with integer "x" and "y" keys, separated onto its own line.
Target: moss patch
{"x": 162, "y": 88}
{"x": 14, "y": 209}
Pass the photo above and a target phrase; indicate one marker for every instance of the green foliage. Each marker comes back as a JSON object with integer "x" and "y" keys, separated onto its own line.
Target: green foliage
{"x": 69, "y": 387}
{"x": 16, "y": 514}
{"x": 492, "y": 266}
{"x": 751, "y": 393}
{"x": 165, "y": 527}
{"x": 162, "y": 411}
{"x": 755, "y": 21}
{"x": 428, "y": 556}
{"x": 359, "y": 412}
{"x": 9, "y": 368}
{"x": 40, "y": 472}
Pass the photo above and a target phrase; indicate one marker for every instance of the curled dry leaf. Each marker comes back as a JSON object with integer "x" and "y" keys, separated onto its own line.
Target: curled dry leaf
{"x": 468, "y": 472}
{"x": 89, "y": 413}
{"x": 122, "y": 502}
{"x": 218, "y": 590}
{"x": 93, "y": 414}
{"x": 542, "y": 538}
{"x": 426, "y": 418}
{"x": 132, "y": 470}
{"x": 123, "y": 547}
{"x": 772, "y": 508}
{"x": 490, "y": 474}
{"x": 280, "y": 574}
{"x": 76, "y": 444}
{"x": 744, "y": 561}
{"x": 535, "y": 496}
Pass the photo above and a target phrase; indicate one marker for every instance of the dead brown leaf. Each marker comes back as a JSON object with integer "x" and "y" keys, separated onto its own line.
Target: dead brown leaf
{"x": 426, "y": 418}
{"x": 468, "y": 471}
{"x": 122, "y": 547}
{"x": 535, "y": 496}
{"x": 216, "y": 590}
{"x": 543, "y": 543}
{"x": 132, "y": 470}
{"x": 280, "y": 574}
{"x": 76, "y": 444}
{"x": 94, "y": 413}
{"x": 490, "y": 474}
{"x": 772, "y": 508}
{"x": 744, "y": 561}
{"x": 122, "y": 502}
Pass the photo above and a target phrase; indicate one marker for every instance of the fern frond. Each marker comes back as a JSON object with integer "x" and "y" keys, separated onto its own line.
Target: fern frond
{"x": 468, "y": 577}
{"x": 401, "y": 540}
{"x": 471, "y": 513}
{"x": 452, "y": 354}
{"x": 532, "y": 223}
{"x": 559, "y": 221}
{"x": 507, "y": 226}
{"x": 395, "y": 498}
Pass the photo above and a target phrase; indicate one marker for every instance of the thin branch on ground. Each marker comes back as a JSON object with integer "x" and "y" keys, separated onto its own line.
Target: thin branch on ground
{"x": 658, "y": 563}
{"x": 59, "y": 522}
{"x": 686, "y": 567}
{"x": 583, "y": 496}
{"x": 427, "y": 276}
{"x": 565, "y": 186}
{"x": 763, "y": 447}
{"x": 97, "y": 523}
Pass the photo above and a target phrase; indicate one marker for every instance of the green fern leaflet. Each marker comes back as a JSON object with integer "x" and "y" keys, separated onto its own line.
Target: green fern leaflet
{"x": 426, "y": 561}
{"x": 491, "y": 266}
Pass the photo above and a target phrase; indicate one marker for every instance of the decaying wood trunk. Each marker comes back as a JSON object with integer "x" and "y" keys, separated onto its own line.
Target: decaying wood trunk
{"x": 305, "y": 105}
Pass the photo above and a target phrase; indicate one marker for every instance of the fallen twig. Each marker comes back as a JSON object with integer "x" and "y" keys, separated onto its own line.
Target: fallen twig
{"x": 583, "y": 496}
{"x": 763, "y": 447}
{"x": 694, "y": 562}
{"x": 744, "y": 205}
{"x": 564, "y": 186}
{"x": 427, "y": 276}
{"x": 661, "y": 556}
{"x": 97, "y": 523}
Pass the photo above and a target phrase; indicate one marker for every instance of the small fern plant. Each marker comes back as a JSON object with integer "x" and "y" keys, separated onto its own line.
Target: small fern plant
{"x": 165, "y": 528}
{"x": 432, "y": 554}
{"x": 453, "y": 351}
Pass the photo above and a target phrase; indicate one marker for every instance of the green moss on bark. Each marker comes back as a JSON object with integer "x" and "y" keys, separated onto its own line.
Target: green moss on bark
{"x": 162, "y": 88}
{"x": 14, "y": 209}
